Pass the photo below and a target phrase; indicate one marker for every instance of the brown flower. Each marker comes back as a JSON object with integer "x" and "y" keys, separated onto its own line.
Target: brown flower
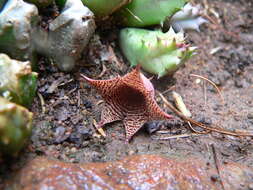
{"x": 130, "y": 99}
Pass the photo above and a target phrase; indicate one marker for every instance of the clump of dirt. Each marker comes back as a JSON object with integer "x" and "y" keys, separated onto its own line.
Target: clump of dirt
{"x": 67, "y": 109}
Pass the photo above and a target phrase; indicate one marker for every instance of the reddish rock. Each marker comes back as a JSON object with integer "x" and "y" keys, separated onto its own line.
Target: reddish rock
{"x": 134, "y": 172}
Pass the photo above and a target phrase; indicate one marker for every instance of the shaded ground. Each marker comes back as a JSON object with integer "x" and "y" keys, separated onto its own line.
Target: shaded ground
{"x": 64, "y": 125}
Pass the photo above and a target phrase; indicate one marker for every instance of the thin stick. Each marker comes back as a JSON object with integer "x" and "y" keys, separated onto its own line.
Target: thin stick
{"x": 104, "y": 69}
{"x": 205, "y": 98}
{"x": 196, "y": 131}
{"x": 215, "y": 129}
{"x": 78, "y": 98}
{"x": 42, "y": 102}
{"x": 212, "y": 83}
{"x": 176, "y": 136}
{"x": 217, "y": 165}
{"x": 99, "y": 129}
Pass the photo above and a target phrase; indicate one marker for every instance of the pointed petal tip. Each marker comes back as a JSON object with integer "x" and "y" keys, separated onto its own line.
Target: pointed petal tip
{"x": 138, "y": 67}
{"x": 168, "y": 116}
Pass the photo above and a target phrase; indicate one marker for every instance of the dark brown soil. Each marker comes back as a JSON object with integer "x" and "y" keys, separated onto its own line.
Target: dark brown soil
{"x": 64, "y": 125}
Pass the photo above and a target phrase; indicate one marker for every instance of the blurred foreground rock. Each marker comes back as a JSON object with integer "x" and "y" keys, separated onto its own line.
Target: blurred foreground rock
{"x": 134, "y": 172}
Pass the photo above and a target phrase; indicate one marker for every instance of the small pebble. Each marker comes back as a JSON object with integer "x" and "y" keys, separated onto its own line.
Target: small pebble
{"x": 250, "y": 115}
{"x": 215, "y": 178}
{"x": 73, "y": 150}
{"x": 250, "y": 187}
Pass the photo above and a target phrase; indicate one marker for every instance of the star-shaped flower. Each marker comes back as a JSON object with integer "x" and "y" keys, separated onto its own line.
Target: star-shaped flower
{"x": 130, "y": 99}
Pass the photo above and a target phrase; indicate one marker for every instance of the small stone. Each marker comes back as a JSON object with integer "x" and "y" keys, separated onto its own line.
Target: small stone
{"x": 204, "y": 120}
{"x": 250, "y": 187}
{"x": 73, "y": 150}
{"x": 250, "y": 115}
{"x": 60, "y": 135}
{"x": 152, "y": 126}
{"x": 131, "y": 152}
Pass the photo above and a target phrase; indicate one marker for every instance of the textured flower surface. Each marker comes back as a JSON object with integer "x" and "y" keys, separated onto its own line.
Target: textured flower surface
{"x": 130, "y": 99}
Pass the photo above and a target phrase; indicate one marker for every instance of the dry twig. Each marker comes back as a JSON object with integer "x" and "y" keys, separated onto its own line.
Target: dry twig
{"x": 104, "y": 69}
{"x": 212, "y": 83}
{"x": 176, "y": 136}
{"x": 195, "y": 131}
{"x": 201, "y": 125}
{"x": 42, "y": 102}
{"x": 217, "y": 165}
{"x": 99, "y": 129}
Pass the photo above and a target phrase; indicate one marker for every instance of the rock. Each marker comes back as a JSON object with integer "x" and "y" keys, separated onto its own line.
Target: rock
{"x": 250, "y": 115}
{"x": 16, "y": 22}
{"x": 134, "y": 172}
{"x": 15, "y": 127}
{"x": 17, "y": 81}
{"x": 60, "y": 135}
{"x": 68, "y": 35}
{"x": 152, "y": 126}
{"x": 80, "y": 135}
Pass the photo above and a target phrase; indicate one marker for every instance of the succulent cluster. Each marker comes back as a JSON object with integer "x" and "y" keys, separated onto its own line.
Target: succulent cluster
{"x": 67, "y": 36}
{"x": 17, "y": 85}
{"x": 157, "y": 52}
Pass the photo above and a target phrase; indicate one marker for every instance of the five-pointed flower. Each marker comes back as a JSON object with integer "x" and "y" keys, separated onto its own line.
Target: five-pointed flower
{"x": 130, "y": 99}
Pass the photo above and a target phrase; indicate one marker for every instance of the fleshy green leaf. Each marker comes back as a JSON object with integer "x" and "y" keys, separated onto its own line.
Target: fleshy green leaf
{"x": 15, "y": 127}
{"x": 157, "y": 52}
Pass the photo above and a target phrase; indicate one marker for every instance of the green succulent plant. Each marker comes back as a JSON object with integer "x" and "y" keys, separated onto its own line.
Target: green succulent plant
{"x": 15, "y": 127}
{"x": 40, "y": 3}
{"x": 68, "y": 35}
{"x": 17, "y": 81}
{"x": 60, "y": 3}
{"x": 140, "y": 13}
{"x": 2, "y": 3}
{"x": 103, "y": 8}
{"x": 17, "y": 19}
{"x": 157, "y": 52}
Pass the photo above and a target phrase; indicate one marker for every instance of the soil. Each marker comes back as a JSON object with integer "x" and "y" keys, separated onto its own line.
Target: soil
{"x": 64, "y": 119}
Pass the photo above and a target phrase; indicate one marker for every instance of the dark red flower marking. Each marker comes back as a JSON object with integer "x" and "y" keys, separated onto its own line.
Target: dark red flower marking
{"x": 130, "y": 99}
